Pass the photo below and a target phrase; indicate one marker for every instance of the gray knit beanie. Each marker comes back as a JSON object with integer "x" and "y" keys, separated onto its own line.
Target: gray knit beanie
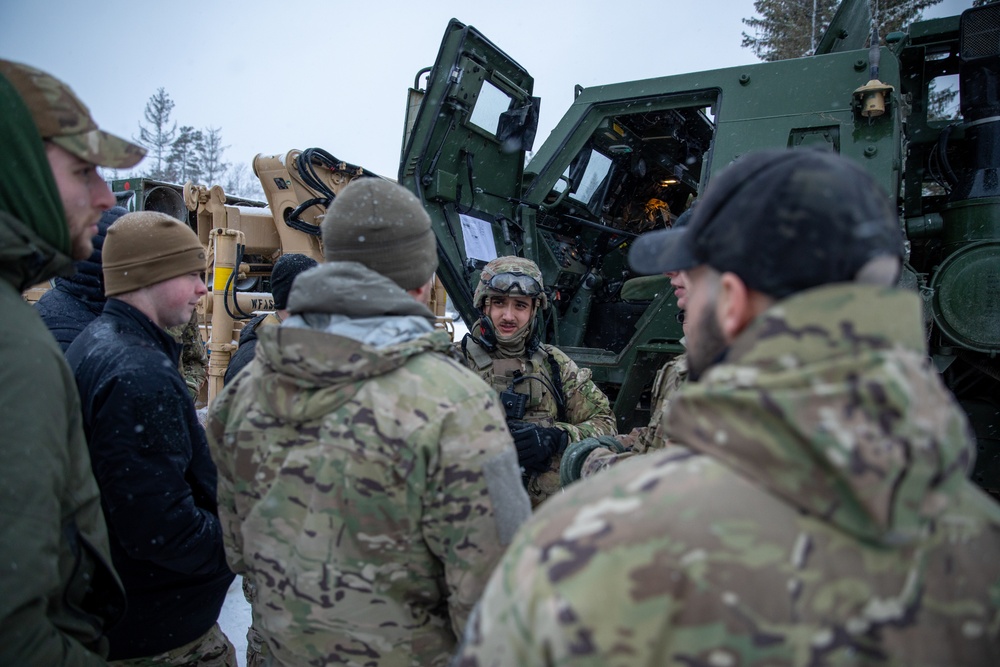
{"x": 383, "y": 226}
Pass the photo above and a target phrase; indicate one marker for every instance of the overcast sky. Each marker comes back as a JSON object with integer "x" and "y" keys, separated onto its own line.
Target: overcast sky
{"x": 286, "y": 74}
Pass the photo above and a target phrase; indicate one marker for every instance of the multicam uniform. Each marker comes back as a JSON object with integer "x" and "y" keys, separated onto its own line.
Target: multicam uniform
{"x": 644, "y": 439}
{"x": 367, "y": 482}
{"x": 560, "y": 395}
{"x": 587, "y": 412}
{"x": 824, "y": 517}
{"x": 193, "y": 365}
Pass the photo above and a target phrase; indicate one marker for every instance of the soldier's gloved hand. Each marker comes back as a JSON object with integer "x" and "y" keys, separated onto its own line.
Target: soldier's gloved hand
{"x": 571, "y": 466}
{"x": 536, "y": 445}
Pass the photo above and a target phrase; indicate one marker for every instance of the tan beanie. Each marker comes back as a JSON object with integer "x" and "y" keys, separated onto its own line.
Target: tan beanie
{"x": 383, "y": 226}
{"x": 144, "y": 248}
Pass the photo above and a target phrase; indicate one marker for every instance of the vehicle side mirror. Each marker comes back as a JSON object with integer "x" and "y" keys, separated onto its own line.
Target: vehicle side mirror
{"x": 516, "y": 128}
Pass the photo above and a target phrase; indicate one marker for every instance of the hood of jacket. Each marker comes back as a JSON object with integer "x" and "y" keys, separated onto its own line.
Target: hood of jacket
{"x": 25, "y": 258}
{"x": 350, "y": 325}
{"x": 34, "y": 236}
{"x": 829, "y": 400}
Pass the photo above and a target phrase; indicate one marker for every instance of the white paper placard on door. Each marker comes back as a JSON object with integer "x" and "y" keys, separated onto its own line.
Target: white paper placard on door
{"x": 478, "y": 234}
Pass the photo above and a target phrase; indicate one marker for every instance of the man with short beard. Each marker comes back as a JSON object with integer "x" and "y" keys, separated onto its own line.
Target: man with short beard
{"x": 820, "y": 511}
{"x": 60, "y": 592}
{"x": 591, "y": 455}
{"x": 549, "y": 400}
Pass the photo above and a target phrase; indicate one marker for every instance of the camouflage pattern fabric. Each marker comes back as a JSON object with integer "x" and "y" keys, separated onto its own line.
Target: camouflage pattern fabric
{"x": 257, "y": 651}
{"x": 368, "y": 491}
{"x": 193, "y": 365}
{"x": 588, "y": 412}
{"x": 823, "y": 518}
{"x": 644, "y": 439}
{"x": 509, "y": 264}
{"x": 212, "y": 649}
{"x": 63, "y": 118}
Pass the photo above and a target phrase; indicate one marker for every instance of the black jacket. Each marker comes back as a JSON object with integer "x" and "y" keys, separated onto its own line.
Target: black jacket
{"x": 76, "y": 301}
{"x": 157, "y": 481}
{"x": 246, "y": 349}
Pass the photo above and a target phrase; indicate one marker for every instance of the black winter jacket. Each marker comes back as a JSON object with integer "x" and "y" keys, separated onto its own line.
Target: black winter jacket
{"x": 157, "y": 481}
{"x": 246, "y": 349}
{"x": 76, "y": 301}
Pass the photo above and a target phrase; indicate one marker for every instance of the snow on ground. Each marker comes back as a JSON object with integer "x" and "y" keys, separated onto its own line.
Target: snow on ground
{"x": 235, "y": 619}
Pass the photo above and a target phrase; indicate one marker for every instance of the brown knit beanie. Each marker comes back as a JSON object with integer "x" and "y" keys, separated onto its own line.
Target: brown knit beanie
{"x": 144, "y": 248}
{"x": 383, "y": 226}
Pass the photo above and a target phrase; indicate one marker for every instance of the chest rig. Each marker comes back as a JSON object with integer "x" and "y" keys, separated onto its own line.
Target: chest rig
{"x": 536, "y": 378}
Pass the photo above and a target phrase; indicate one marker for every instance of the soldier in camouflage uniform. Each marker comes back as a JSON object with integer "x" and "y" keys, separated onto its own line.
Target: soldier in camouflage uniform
{"x": 591, "y": 455}
{"x": 367, "y": 482}
{"x": 550, "y": 401}
{"x": 193, "y": 365}
{"x": 822, "y": 515}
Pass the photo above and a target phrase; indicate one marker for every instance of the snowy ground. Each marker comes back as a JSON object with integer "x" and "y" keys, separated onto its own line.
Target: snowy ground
{"x": 235, "y": 619}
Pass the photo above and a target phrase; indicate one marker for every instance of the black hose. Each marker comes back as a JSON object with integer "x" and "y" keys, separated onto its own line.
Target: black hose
{"x": 243, "y": 315}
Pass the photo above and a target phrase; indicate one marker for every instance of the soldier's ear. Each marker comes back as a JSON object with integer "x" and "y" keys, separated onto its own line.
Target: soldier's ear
{"x": 422, "y": 294}
{"x": 736, "y": 306}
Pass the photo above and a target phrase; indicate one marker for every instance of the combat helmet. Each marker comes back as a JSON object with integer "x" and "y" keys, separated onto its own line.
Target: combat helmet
{"x": 510, "y": 275}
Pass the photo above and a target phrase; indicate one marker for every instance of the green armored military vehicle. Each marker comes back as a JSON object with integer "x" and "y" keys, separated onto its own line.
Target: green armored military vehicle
{"x": 630, "y": 157}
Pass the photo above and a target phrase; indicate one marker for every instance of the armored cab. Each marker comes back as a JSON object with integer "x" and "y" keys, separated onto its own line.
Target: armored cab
{"x": 920, "y": 113}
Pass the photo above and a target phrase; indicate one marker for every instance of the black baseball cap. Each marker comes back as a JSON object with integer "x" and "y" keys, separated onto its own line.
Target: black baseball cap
{"x": 783, "y": 221}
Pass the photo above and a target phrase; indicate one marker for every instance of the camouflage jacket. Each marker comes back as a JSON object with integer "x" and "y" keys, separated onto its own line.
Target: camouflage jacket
{"x": 644, "y": 439}
{"x": 587, "y": 410}
{"x": 824, "y": 517}
{"x": 193, "y": 365}
{"x": 367, "y": 482}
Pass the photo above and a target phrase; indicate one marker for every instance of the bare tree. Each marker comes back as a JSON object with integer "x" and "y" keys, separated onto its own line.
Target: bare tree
{"x": 159, "y": 135}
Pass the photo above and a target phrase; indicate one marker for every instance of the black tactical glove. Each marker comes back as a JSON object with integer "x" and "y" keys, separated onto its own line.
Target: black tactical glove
{"x": 536, "y": 445}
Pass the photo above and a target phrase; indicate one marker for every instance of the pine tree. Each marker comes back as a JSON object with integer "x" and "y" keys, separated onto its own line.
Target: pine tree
{"x": 210, "y": 155}
{"x": 182, "y": 163}
{"x": 792, "y": 28}
{"x": 159, "y": 135}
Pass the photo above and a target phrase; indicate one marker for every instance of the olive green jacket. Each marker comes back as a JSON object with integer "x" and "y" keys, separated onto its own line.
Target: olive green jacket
{"x": 59, "y": 589}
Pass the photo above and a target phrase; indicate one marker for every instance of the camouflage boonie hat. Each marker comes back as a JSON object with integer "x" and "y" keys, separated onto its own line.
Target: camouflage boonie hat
{"x": 515, "y": 266}
{"x": 64, "y": 120}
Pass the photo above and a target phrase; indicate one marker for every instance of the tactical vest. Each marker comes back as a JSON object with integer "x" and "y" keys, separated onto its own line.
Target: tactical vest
{"x": 532, "y": 377}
